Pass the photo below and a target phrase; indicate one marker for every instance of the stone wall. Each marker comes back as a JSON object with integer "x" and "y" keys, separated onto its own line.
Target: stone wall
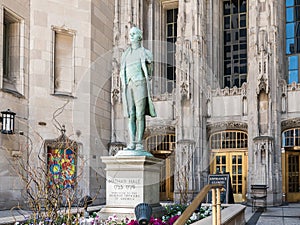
{"x": 41, "y": 111}
{"x": 17, "y": 101}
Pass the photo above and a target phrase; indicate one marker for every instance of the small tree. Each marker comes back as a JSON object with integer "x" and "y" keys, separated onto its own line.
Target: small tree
{"x": 51, "y": 188}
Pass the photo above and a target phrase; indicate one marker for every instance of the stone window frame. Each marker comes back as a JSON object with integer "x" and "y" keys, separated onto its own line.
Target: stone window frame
{"x": 14, "y": 81}
{"x": 63, "y": 30}
{"x": 160, "y": 82}
{"x": 64, "y": 143}
{"x": 170, "y": 83}
{"x": 168, "y": 5}
{"x": 226, "y": 140}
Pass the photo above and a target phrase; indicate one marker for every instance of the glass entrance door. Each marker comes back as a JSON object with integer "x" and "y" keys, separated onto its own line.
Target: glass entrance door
{"x": 235, "y": 163}
{"x": 162, "y": 146}
{"x": 167, "y": 179}
{"x": 292, "y": 173}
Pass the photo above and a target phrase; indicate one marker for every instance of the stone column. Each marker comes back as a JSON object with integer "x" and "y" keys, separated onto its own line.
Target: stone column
{"x": 264, "y": 97}
{"x": 191, "y": 98}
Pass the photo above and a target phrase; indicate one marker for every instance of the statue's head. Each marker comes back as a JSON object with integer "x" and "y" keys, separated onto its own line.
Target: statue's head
{"x": 135, "y": 34}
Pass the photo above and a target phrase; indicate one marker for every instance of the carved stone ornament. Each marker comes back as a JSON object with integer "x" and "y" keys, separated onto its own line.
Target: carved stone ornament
{"x": 293, "y": 86}
{"x": 227, "y": 125}
{"x": 290, "y": 123}
{"x": 115, "y": 81}
{"x": 155, "y": 130}
{"x": 263, "y": 143}
{"x": 230, "y": 91}
{"x": 244, "y": 89}
{"x": 184, "y": 59}
{"x": 262, "y": 85}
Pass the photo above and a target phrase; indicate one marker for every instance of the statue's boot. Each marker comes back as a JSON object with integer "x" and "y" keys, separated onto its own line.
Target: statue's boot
{"x": 131, "y": 131}
{"x": 140, "y": 123}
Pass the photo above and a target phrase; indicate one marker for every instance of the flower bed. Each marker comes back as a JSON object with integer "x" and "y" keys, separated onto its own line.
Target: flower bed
{"x": 173, "y": 213}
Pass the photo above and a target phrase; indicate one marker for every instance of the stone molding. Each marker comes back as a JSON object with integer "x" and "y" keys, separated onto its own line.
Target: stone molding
{"x": 183, "y": 61}
{"x": 293, "y": 87}
{"x": 230, "y": 91}
{"x": 290, "y": 123}
{"x": 284, "y": 86}
{"x": 186, "y": 146}
{"x": 154, "y": 130}
{"x": 227, "y": 125}
{"x": 116, "y": 82}
{"x": 62, "y": 141}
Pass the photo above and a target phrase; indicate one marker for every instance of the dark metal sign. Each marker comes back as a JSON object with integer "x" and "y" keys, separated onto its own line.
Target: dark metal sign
{"x": 226, "y": 192}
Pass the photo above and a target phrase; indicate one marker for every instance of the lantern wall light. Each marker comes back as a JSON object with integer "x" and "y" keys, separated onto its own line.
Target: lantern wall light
{"x": 8, "y": 122}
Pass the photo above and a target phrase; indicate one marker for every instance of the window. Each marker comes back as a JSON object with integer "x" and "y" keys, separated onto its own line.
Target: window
{"x": 13, "y": 54}
{"x": 171, "y": 34}
{"x": 62, "y": 168}
{"x": 291, "y": 138}
{"x": 229, "y": 139}
{"x": 235, "y": 42}
{"x": 292, "y": 39}
{"x": 161, "y": 143}
{"x": 163, "y": 28}
{"x": 63, "y": 61}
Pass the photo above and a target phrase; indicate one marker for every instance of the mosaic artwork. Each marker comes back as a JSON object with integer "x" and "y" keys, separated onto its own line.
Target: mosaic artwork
{"x": 62, "y": 168}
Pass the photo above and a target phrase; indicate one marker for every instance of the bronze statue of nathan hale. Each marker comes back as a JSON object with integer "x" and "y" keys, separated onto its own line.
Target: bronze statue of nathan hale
{"x": 135, "y": 74}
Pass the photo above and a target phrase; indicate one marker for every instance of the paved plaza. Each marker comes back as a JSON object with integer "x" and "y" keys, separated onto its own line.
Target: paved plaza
{"x": 288, "y": 214}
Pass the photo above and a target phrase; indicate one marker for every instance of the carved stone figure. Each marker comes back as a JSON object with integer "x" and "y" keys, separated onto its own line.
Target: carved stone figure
{"x": 135, "y": 74}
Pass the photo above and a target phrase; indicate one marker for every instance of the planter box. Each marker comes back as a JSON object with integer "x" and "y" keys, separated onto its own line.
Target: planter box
{"x": 232, "y": 215}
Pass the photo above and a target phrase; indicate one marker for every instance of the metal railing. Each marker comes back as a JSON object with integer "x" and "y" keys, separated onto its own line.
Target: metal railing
{"x": 216, "y": 204}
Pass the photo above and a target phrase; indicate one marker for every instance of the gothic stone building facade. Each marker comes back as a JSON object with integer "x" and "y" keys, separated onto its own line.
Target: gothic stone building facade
{"x": 225, "y": 87}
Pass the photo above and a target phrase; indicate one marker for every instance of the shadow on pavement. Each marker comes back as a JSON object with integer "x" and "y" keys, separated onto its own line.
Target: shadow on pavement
{"x": 253, "y": 220}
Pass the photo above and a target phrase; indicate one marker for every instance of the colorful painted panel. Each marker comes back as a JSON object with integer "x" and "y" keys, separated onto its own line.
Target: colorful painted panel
{"x": 62, "y": 168}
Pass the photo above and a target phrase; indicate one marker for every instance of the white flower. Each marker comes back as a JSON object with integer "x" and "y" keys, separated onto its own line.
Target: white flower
{"x": 110, "y": 218}
{"x": 178, "y": 213}
{"x": 194, "y": 216}
{"x": 89, "y": 220}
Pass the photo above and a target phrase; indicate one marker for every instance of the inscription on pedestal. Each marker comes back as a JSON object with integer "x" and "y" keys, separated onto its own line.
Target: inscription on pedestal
{"x": 124, "y": 191}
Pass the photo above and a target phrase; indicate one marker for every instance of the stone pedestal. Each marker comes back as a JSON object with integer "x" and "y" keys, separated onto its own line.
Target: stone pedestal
{"x": 131, "y": 180}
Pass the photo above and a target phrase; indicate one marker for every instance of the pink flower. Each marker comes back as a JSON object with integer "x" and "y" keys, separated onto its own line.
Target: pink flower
{"x": 156, "y": 221}
{"x": 172, "y": 220}
{"x": 133, "y": 222}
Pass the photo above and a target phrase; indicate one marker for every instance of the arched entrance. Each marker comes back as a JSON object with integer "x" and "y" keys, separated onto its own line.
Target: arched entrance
{"x": 229, "y": 153}
{"x": 291, "y": 164}
{"x": 163, "y": 146}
